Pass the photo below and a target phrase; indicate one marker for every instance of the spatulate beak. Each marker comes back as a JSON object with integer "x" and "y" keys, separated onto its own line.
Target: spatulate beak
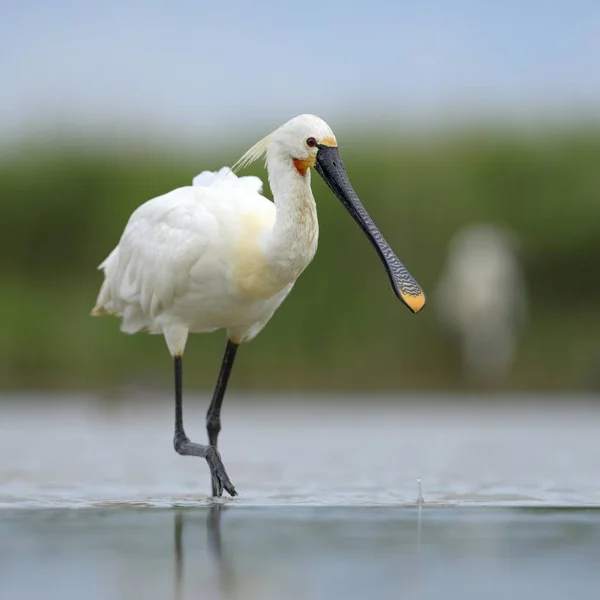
{"x": 330, "y": 167}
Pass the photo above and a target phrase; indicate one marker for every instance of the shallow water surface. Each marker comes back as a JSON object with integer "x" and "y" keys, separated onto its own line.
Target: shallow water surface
{"x": 95, "y": 504}
{"x": 76, "y": 452}
{"x": 300, "y": 553}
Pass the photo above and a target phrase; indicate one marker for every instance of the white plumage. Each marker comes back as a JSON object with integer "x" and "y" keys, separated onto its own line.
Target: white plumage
{"x": 174, "y": 266}
{"x": 216, "y": 254}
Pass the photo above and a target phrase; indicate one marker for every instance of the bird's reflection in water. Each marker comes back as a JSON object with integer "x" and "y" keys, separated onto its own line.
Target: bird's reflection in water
{"x": 223, "y": 569}
{"x": 178, "y": 555}
{"x": 213, "y": 530}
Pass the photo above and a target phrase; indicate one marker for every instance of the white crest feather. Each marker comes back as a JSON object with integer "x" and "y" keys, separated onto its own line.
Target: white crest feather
{"x": 258, "y": 151}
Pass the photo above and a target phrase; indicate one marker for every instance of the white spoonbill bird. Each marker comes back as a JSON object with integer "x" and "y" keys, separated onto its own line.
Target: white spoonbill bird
{"x": 218, "y": 254}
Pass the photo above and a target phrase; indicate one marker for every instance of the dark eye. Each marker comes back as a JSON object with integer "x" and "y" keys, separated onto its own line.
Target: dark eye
{"x": 311, "y": 142}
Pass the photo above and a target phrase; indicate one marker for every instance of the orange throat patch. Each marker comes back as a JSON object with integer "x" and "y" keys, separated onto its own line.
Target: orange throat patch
{"x": 303, "y": 164}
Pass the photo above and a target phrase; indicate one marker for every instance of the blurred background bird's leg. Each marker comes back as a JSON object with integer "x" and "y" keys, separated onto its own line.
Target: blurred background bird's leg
{"x": 213, "y": 415}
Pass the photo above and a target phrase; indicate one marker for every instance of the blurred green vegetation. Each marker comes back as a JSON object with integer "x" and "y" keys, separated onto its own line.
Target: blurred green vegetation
{"x": 63, "y": 207}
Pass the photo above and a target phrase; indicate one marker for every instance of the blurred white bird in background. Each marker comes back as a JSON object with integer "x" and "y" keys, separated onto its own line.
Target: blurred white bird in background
{"x": 219, "y": 255}
{"x": 481, "y": 297}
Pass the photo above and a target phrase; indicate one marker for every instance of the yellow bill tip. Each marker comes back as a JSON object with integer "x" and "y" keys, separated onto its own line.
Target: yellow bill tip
{"x": 414, "y": 302}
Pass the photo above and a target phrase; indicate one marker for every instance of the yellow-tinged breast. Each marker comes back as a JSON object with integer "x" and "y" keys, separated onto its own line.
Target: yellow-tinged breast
{"x": 253, "y": 273}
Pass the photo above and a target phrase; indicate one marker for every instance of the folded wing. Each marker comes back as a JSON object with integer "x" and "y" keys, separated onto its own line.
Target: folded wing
{"x": 164, "y": 239}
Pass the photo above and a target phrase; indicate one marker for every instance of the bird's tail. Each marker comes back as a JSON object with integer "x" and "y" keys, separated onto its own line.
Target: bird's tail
{"x": 104, "y": 302}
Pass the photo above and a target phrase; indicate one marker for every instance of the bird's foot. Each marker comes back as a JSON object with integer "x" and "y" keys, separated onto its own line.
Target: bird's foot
{"x": 220, "y": 479}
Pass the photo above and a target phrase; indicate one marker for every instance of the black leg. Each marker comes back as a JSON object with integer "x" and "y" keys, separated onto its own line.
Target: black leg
{"x": 213, "y": 415}
{"x": 182, "y": 444}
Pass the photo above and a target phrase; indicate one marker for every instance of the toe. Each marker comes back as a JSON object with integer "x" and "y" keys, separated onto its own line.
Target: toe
{"x": 230, "y": 489}
{"x": 220, "y": 480}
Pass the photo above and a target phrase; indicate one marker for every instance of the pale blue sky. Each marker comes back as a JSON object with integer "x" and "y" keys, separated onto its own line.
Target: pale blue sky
{"x": 184, "y": 68}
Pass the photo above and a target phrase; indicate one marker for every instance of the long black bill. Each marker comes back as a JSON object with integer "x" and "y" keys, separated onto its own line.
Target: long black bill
{"x": 330, "y": 167}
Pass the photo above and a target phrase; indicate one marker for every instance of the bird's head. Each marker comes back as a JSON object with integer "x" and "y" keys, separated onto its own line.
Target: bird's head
{"x": 300, "y": 140}
{"x": 307, "y": 141}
